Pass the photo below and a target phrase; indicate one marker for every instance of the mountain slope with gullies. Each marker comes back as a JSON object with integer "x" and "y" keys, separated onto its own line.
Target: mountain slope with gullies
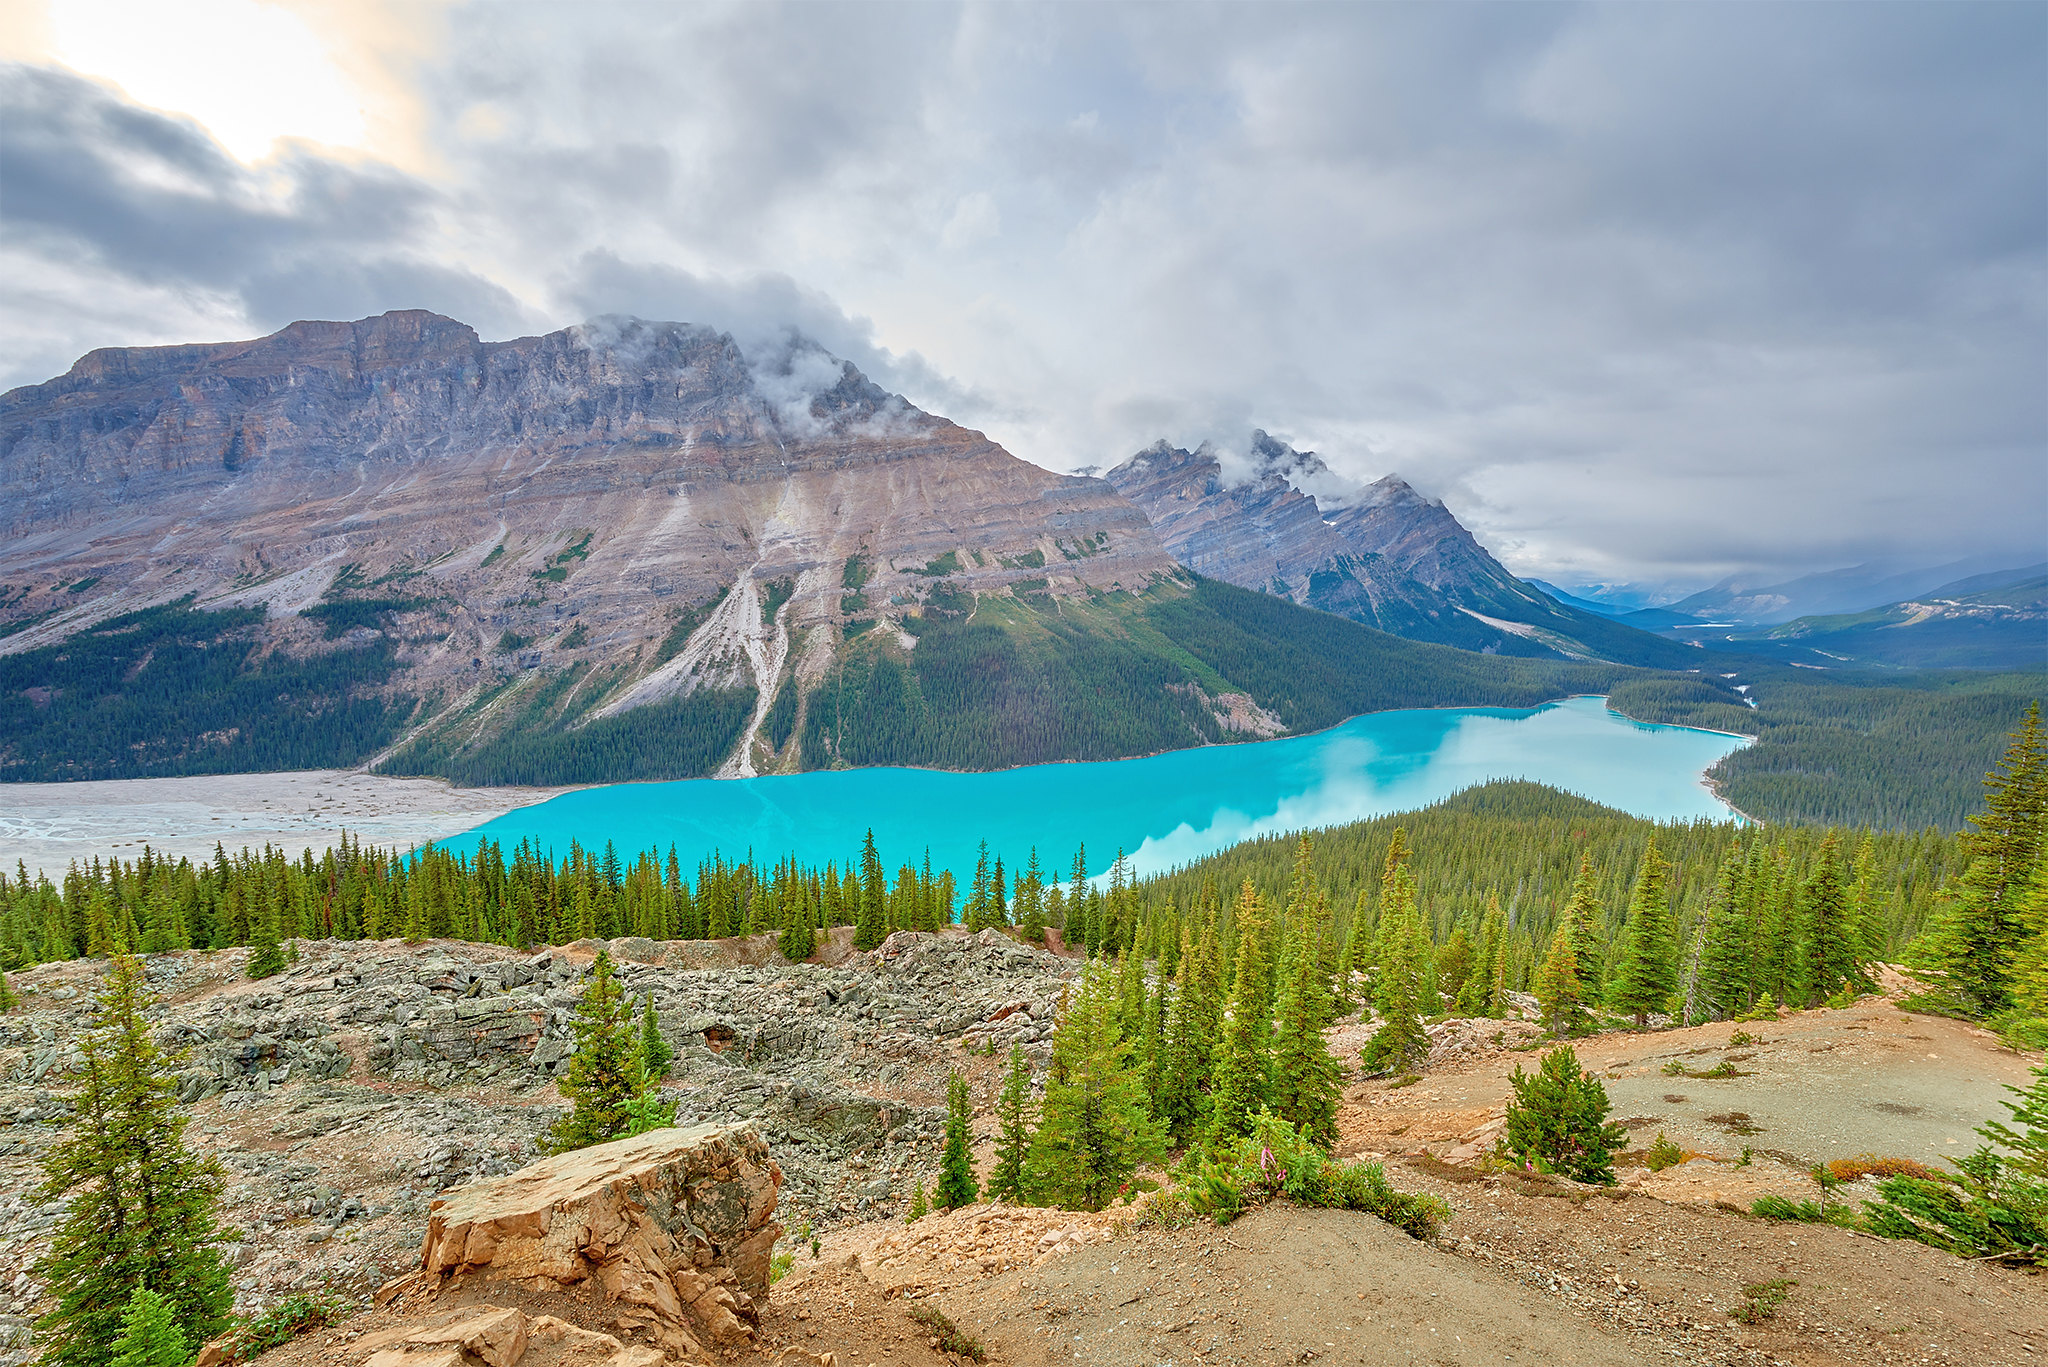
{"x": 621, "y": 550}
{"x": 1382, "y": 554}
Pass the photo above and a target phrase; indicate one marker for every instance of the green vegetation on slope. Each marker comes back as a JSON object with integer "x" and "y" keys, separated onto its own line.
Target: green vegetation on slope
{"x": 1523, "y": 842}
{"x": 1034, "y": 680}
{"x": 1888, "y": 750}
{"x": 170, "y": 690}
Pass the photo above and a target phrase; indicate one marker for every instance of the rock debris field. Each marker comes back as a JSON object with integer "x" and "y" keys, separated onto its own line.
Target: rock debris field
{"x": 345, "y": 1093}
{"x": 348, "y": 1093}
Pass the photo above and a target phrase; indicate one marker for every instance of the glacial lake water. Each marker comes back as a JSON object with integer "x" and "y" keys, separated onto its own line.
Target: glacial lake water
{"x": 1163, "y": 810}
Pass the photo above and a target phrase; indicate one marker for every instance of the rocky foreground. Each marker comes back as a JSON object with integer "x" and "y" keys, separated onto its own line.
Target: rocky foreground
{"x": 376, "y": 1109}
{"x": 345, "y": 1094}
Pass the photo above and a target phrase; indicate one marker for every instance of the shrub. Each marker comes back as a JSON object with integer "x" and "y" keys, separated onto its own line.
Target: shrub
{"x": 1760, "y": 1300}
{"x": 1558, "y": 1120}
{"x": 1663, "y": 1154}
{"x": 1275, "y": 1160}
{"x": 1868, "y": 1165}
{"x": 283, "y": 1322}
{"x": 950, "y": 1336}
{"x": 1995, "y": 1206}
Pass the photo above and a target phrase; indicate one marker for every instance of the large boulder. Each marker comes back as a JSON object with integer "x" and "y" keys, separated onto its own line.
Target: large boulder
{"x": 674, "y": 1225}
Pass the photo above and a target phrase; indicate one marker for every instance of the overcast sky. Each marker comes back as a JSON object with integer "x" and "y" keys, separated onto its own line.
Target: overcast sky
{"x": 1646, "y": 293}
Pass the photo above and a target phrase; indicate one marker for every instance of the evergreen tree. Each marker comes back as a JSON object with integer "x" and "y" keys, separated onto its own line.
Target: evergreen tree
{"x": 1094, "y": 1132}
{"x": 1013, "y": 1142}
{"x": 1305, "y": 1076}
{"x": 1646, "y": 975}
{"x": 1723, "y": 984}
{"x": 150, "y": 1336}
{"x": 1480, "y": 996}
{"x": 141, "y": 1204}
{"x": 1558, "y": 1120}
{"x": 266, "y": 956}
{"x": 1191, "y": 1033}
{"x": 603, "y": 1077}
{"x": 1560, "y": 992}
{"x": 1242, "y": 1069}
{"x": 868, "y": 929}
{"x": 957, "y": 1186}
{"x": 919, "y": 1207}
{"x": 1830, "y": 961}
{"x": 655, "y": 1054}
{"x": 1403, "y": 980}
{"x": 2030, "y": 965}
{"x": 1974, "y": 944}
{"x": 797, "y": 941}
{"x": 1589, "y": 937}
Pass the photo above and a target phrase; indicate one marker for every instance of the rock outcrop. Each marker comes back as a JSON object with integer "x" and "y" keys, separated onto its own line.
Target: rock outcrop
{"x": 673, "y": 1226}
{"x": 1381, "y": 554}
{"x": 639, "y": 499}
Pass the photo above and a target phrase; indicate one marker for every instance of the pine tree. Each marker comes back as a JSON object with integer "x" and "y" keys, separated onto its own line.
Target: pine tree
{"x": 1646, "y": 975}
{"x": 1479, "y": 996}
{"x": 1582, "y": 909}
{"x": 1829, "y": 962}
{"x": 2030, "y": 963}
{"x": 1558, "y": 1120}
{"x": 655, "y": 1054}
{"x": 1974, "y": 943}
{"x": 141, "y": 1204}
{"x": 603, "y": 1077}
{"x": 1403, "y": 980}
{"x": 1242, "y": 1070}
{"x": 1013, "y": 1142}
{"x": 868, "y": 929}
{"x": 1560, "y": 992}
{"x": 1094, "y": 1132}
{"x": 266, "y": 957}
{"x": 1305, "y": 1076}
{"x": 150, "y": 1336}
{"x": 1724, "y": 972}
{"x": 1191, "y": 1031}
{"x": 957, "y": 1186}
{"x": 797, "y": 941}
{"x": 919, "y": 1207}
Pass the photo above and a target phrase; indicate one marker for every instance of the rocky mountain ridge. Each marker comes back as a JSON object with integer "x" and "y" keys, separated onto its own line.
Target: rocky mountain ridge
{"x": 1381, "y": 554}
{"x": 642, "y": 502}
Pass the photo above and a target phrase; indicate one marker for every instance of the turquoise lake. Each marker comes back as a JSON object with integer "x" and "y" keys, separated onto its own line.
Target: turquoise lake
{"x": 1164, "y": 810}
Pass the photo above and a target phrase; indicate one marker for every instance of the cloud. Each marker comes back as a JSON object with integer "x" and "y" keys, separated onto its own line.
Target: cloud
{"x": 1644, "y": 293}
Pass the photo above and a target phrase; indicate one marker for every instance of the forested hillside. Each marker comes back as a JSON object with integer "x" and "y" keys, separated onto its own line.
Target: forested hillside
{"x": 1897, "y": 751}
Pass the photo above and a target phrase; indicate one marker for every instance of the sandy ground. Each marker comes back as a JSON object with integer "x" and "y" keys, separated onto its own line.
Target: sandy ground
{"x": 47, "y": 825}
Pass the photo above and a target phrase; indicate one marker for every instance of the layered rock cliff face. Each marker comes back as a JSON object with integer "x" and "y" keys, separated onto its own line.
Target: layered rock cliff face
{"x": 638, "y": 499}
{"x": 1381, "y": 554}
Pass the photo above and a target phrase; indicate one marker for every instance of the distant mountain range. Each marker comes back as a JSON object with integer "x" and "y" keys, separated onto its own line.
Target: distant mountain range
{"x": 1988, "y": 620}
{"x": 1381, "y": 554}
{"x": 629, "y": 550}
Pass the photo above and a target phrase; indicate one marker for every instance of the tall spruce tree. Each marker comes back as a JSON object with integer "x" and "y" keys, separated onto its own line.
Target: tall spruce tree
{"x": 1723, "y": 985}
{"x": 1094, "y": 1131}
{"x": 1305, "y": 1076}
{"x": 1243, "y": 1065}
{"x": 603, "y": 1077}
{"x": 1013, "y": 1139}
{"x": 1589, "y": 937}
{"x": 1646, "y": 975}
{"x": 1829, "y": 961}
{"x": 1561, "y": 993}
{"x": 1974, "y": 943}
{"x": 869, "y": 928}
{"x": 1402, "y": 987}
{"x": 141, "y": 1204}
{"x": 957, "y": 1186}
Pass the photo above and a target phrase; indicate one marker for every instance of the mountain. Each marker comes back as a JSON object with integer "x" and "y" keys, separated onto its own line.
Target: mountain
{"x": 1742, "y": 600}
{"x": 1985, "y": 621}
{"x": 1381, "y": 554}
{"x": 621, "y": 550}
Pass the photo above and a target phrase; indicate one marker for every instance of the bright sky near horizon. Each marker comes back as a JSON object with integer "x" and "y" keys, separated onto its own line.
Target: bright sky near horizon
{"x": 1647, "y": 294}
